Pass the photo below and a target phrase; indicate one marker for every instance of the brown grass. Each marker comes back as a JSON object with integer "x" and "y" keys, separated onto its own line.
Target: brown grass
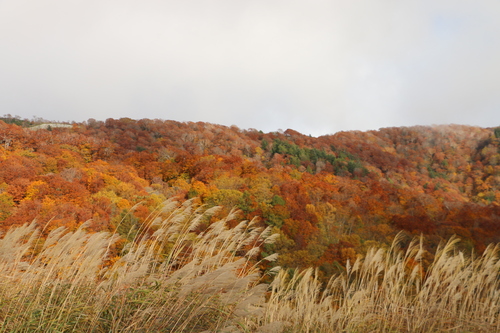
{"x": 388, "y": 291}
{"x": 172, "y": 281}
{"x": 175, "y": 280}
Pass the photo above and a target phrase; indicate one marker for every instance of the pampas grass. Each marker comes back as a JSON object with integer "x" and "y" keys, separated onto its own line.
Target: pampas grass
{"x": 173, "y": 279}
{"x": 388, "y": 291}
{"x": 167, "y": 280}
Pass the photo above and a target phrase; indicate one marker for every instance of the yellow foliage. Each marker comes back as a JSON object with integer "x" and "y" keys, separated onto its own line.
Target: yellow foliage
{"x": 201, "y": 189}
{"x": 48, "y": 204}
{"x": 123, "y": 204}
{"x": 110, "y": 180}
{"x": 26, "y": 153}
{"x": 331, "y": 179}
{"x": 229, "y": 182}
{"x": 258, "y": 151}
{"x": 86, "y": 151}
{"x": 107, "y": 193}
{"x": 296, "y": 174}
{"x": 71, "y": 160}
{"x": 310, "y": 209}
{"x": 33, "y": 189}
{"x": 226, "y": 198}
{"x": 155, "y": 200}
{"x": 122, "y": 189}
{"x": 182, "y": 184}
{"x": 260, "y": 187}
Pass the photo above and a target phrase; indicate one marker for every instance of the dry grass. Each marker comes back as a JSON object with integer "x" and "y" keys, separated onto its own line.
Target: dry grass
{"x": 172, "y": 281}
{"x": 388, "y": 291}
{"x": 175, "y": 280}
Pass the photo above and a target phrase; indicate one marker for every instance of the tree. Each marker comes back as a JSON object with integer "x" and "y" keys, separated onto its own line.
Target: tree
{"x": 6, "y": 205}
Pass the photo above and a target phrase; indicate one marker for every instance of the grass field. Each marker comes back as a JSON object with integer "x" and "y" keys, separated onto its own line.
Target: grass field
{"x": 172, "y": 279}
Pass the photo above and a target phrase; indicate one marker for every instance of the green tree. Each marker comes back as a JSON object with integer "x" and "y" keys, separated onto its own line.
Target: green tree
{"x": 264, "y": 145}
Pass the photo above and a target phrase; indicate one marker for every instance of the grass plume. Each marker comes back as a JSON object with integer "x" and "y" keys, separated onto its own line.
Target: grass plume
{"x": 388, "y": 291}
{"x": 173, "y": 279}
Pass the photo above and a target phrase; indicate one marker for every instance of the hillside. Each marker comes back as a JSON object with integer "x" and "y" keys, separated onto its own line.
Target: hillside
{"x": 330, "y": 198}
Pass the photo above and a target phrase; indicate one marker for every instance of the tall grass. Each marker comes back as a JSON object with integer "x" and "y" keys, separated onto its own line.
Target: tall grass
{"x": 171, "y": 279}
{"x": 388, "y": 291}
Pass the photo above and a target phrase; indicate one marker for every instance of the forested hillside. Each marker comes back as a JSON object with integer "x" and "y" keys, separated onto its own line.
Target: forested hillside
{"x": 330, "y": 198}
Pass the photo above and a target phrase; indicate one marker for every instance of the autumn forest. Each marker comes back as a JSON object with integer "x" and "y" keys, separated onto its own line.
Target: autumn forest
{"x": 329, "y": 198}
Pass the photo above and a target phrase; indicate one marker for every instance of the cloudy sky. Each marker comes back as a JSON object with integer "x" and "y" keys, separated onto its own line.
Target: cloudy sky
{"x": 314, "y": 66}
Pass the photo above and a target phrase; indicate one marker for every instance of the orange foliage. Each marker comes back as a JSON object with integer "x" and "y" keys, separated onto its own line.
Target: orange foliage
{"x": 319, "y": 191}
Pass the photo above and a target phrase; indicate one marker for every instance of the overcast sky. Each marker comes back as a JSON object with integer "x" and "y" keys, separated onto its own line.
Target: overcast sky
{"x": 314, "y": 66}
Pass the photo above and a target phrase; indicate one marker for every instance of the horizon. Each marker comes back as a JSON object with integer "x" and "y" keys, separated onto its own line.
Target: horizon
{"x": 318, "y": 68}
{"x": 41, "y": 120}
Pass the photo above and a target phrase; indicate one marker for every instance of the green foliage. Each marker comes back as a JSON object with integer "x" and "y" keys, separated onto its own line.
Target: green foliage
{"x": 264, "y": 145}
{"x": 342, "y": 154}
{"x": 277, "y": 200}
{"x": 351, "y": 166}
{"x": 273, "y": 219}
{"x": 245, "y": 202}
{"x": 497, "y": 132}
{"x": 16, "y": 120}
{"x": 299, "y": 155}
{"x": 344, "y": 163}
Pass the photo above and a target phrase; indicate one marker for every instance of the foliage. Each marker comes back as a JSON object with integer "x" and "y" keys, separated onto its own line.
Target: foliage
{"x": 319, "y": 193}
{"x": 497, "y": 132}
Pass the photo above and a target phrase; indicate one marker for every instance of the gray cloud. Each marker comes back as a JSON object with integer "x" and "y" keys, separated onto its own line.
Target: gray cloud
{"x": 317, "y": 67}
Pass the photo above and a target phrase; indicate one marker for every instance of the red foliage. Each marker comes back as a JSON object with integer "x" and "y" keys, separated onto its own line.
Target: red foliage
{"x": 432, "y": 180}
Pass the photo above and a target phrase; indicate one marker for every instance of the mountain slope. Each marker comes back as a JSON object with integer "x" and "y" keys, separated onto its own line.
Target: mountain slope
{"x": 330, "y": 197}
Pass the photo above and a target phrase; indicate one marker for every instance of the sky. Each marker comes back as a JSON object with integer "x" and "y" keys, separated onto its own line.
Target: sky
{"x": 314, "y": 66}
